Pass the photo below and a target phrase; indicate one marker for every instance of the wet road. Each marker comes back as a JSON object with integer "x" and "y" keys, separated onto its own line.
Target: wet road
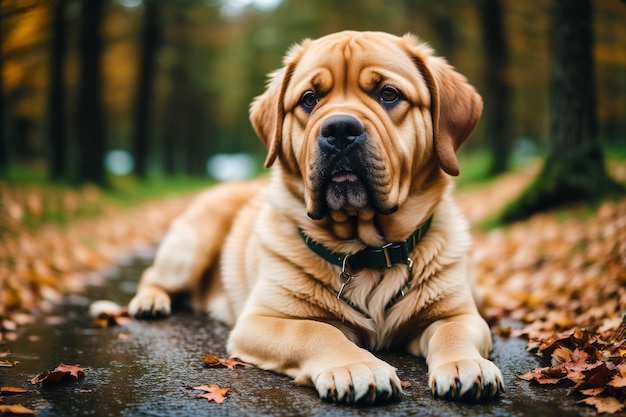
{"x": 143, "y": 369}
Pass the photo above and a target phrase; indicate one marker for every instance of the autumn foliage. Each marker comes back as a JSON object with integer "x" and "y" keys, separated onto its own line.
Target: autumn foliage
{"x": 559, "y": 277}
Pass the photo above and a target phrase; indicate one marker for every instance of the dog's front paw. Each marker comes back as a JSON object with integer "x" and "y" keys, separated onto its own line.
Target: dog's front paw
{"x": 466, "y": 380}
{"x": 150, "y": 304}
{"x": 362, "y": 382}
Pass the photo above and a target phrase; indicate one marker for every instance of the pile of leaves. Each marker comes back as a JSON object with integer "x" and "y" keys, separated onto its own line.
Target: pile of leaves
{"x": 41, "y": 259}
{"x": 592, "y": 364}
{"x": 563, "y": 276}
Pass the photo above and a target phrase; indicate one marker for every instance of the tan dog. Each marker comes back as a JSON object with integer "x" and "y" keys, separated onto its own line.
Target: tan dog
{"x": 354, "y": 244}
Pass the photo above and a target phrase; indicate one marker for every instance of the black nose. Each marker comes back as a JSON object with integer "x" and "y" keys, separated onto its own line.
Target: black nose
{"x": 340, "y": 131}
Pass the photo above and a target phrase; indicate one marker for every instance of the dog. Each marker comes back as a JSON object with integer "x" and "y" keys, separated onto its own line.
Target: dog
{"x": 353, "y": 244}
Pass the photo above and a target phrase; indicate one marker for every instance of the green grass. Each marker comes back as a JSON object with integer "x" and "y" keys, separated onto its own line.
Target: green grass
{"x": 615, "y": 151}
{"x": 30, "y": 201}
{"x": 130, "y": 190}
{"x": 474, "y": 169}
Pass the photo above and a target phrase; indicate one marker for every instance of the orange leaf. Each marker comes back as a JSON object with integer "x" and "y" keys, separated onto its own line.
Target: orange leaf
{"x": 213, "y": 360}
{"x": 592, "y": 392}
{"x": 12, "y": 390}
{"x": 603, "y": 404}
{"x": 75, "y": 370}
{"x": 213, "y": 393}
{"x": 60, "y": 374}
{"x": 230, "y": 363}
{"x": 617, "y": 382}
{"x": 15, "y": 409}
{"x": 213, "y": 396}
{"x": 7, "y": 363}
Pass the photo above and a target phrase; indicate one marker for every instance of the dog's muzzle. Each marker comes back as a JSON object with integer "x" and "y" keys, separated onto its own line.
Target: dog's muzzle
{"x": 340, "y": 175}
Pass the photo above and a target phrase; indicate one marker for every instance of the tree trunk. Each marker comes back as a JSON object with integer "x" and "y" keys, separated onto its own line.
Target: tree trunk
{"x": 91, "y": 127}
{"x": 574, "y": 169}
{"x": 145, "y": 90}
{"x": 57, "y": 134}
{"x": 4, "y": 147}
{"x": 498, "y": 91}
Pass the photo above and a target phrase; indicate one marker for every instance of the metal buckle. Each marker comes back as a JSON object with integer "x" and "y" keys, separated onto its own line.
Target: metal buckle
{"x": 409, "y": 265}
{"x": 344, "y": 276}
{"x": 385, "y": 249}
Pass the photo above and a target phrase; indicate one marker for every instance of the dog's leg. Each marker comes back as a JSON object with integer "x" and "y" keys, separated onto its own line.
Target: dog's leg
{"x": 174, "y": 270}
{"x": 456, "y": 349}
{"x": 314, "y": 353}
{"x": 191, "y": 247}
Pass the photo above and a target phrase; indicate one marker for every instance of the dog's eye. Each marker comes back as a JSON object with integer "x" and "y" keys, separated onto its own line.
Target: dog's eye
{"x": 390, "y": 95}
{"x": 308, "y": 101}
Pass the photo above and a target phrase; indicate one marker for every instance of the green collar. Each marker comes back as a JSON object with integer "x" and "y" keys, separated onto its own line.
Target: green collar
{"x": 382, "y": 257}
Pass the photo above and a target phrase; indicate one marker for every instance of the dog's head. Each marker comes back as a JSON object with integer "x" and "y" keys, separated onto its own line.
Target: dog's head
{"x": 357, "y": 117}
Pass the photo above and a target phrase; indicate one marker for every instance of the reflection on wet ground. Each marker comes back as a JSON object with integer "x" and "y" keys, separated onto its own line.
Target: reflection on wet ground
{"x": 144, "y": 369}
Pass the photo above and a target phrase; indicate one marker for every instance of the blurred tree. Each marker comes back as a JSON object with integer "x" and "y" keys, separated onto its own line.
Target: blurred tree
{"x": 574, "y": 169}
{"x": 4, "y": 148}
{"x": 497, "y": 96}
{"x": 90, "y": 124}
{"x": 145, "y": 86}
{"x": 57, "y": 132}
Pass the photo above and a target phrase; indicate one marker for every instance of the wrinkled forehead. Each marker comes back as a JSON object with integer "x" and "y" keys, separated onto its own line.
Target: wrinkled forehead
{"x": 365, "y": 60}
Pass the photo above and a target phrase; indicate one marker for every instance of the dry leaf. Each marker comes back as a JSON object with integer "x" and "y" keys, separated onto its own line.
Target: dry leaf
{"x": 213, "y": 392}
{"x": 15, "y": 409}
{"x": 61, "y": 374}
{"x": 603, "y": 404}
{"x": 12, "y": 390}
{"x": 214, "y": 361}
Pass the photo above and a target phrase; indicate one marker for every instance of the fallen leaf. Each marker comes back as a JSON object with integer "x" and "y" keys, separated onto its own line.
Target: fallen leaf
{"x": 61, "y": 374}
{"x": 617, "y": 382}
{"x": 15, "y": 409}
{"x": 12, "y": 390}
{"x": 592, "y": 392}
{"x": 405, "y": 384}
{"x": 211, "y": 360}
{"x": 8, "y": 363}
{"x": 603, "y": 404}
{"x": 213, "y": 393}
{"x": 214, "y": 361}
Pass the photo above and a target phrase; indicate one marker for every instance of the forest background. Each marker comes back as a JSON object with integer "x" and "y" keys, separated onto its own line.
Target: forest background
{"x": 170, "y": 81}
{"x": 104, "y": 101}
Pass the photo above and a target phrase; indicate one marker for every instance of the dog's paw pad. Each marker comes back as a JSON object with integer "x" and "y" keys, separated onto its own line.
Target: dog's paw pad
{"x": 466, "y": 380}
{"x": 147, "y": 306}
{"x": 359, "y": 383}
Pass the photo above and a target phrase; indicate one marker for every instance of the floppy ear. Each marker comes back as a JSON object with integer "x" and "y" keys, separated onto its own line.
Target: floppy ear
{"x": 267, "y": 111}
{"x": 455, "y": 105}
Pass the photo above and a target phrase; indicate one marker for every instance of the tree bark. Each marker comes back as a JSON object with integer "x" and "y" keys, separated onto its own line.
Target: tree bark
{"x": 57, "y": 133}
{"x": 574, "y": 169}
{"x": 91, "y": 127}
{"x": 497, "y": 110}
{"x": 4, "y": 147}
{"x": 145, "y": 88}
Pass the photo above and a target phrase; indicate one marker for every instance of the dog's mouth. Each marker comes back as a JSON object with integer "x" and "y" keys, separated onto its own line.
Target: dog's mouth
{"x": 345, "y": 174}
{"x": 345, "y": 184}
{"x": 345, "y": 190}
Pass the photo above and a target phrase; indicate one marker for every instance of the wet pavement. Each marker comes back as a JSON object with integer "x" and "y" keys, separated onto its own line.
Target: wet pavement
{"x": 143, "y": 369}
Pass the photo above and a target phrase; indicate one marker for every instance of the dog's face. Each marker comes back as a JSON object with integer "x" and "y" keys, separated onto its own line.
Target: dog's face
{"x": 357, "y": 118}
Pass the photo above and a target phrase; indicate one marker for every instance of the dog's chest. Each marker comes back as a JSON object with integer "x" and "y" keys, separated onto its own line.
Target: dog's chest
{"x": 372, "y": 296}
